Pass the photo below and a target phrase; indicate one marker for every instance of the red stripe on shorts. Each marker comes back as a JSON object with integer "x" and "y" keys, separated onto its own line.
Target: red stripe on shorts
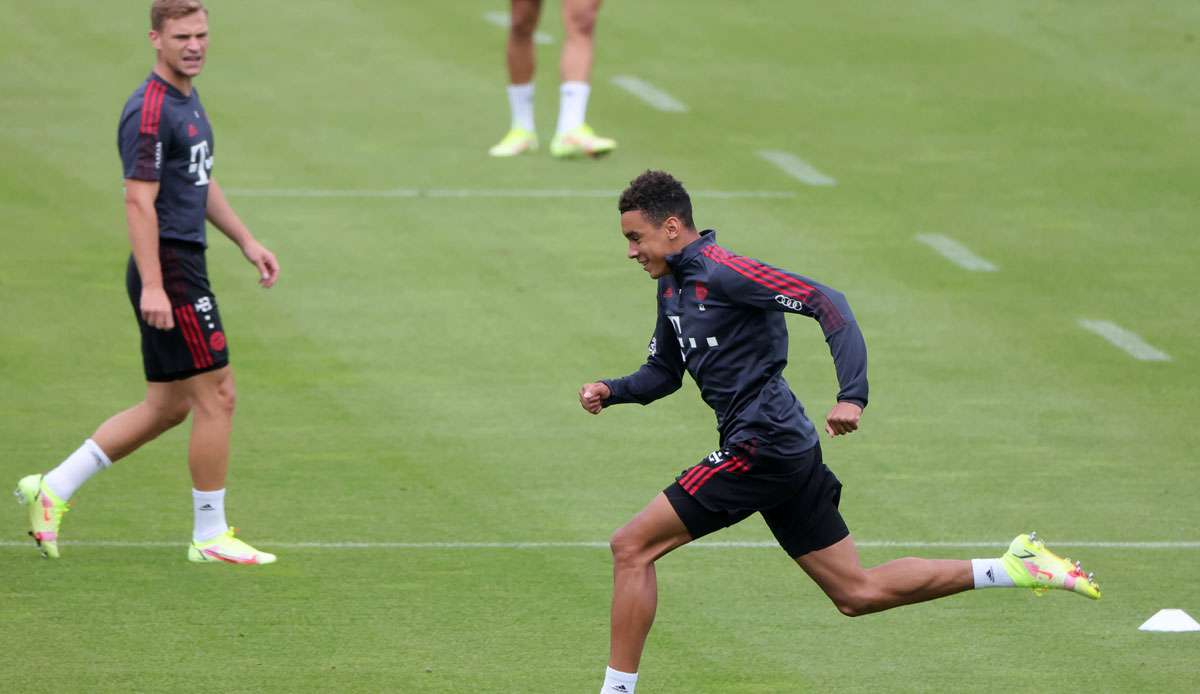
{"x": 208, "y": 358}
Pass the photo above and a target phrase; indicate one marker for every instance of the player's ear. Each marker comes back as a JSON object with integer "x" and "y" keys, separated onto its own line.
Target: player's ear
{"x": 672, "y": 227}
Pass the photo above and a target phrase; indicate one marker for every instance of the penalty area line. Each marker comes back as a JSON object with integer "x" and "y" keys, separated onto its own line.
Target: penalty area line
{"x": 650, "y": 94}
{"x": 1125, "y": 340}
{"x": 703, "y": 544}
{"x": 956, "y": 253}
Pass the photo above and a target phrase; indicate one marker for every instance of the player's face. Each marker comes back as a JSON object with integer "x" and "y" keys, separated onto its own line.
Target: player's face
{"x": 649, "y": 245}
{"x": 183, "y": 43}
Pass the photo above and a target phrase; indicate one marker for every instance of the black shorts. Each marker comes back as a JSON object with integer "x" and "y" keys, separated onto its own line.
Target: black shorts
{"x": 197, "y": 342}
{"x": 797, "y": 497}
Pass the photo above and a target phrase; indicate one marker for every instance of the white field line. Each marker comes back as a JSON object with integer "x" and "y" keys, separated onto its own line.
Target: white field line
{"x": 482, "y": 193}
{"x": 956, "y": 253}
{"x": 650, "y": 94}
{"x": 1130, "y": 342}
{"x": 501, "y": 19}
{"x": 703, "y": 544}
{"x": 796, "y": 167}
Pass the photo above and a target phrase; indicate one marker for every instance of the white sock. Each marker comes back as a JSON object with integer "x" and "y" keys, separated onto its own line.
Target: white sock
{"x": 71, "y": 473}
{"x": 520, "y": 103}
{"x": 572, "y": 105}
{"x": 209, "y": 509}
{"x": 990, "y": 573}
{"x": 617, "y": 681}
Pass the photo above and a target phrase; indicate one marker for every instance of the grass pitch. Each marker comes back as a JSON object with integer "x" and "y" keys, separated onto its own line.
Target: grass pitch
{"x": 412, "y": 379}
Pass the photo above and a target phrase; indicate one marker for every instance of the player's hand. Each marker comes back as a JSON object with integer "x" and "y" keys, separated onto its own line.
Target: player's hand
{"x": 155, "y": 308}
{"x": 842, "y": 419}
{"x": 264, "y": 260}
{"x": 593, "y": 395}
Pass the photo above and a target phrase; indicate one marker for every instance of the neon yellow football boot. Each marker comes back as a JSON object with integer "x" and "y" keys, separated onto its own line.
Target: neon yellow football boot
{"x": 227, "y": 549}
{"x": 1031, "y": 565}
{"x": 517, "y": 141}
{"x": 45, "y": 513}
{"x": 581, "y": 142}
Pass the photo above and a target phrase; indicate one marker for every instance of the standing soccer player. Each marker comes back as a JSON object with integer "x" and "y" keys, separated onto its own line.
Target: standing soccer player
{"x": 573, "y": 137}
{"x": 166, "y": 147}
{"x": 721, "y": 318}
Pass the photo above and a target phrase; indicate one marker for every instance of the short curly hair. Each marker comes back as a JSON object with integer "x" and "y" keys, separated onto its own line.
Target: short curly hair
{"x": 657, "y": 195}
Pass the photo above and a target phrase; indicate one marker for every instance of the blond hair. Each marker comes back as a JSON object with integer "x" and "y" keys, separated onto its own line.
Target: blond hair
{"x": 162, "y": 10}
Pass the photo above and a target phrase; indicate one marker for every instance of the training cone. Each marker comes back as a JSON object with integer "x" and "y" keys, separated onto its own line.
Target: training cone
{"x": 1170, "y": 620}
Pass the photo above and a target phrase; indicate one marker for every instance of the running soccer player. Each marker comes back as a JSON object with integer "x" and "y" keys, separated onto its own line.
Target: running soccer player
{"x": 721, "y": 319}
{"x": 573, "y": 137}
{"x": 166, "y": 147}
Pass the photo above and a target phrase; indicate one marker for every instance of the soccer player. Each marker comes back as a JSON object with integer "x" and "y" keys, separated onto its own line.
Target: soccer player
{"x": 573, "y": 137}
{"x": 721, "y": 319}
{"x": 166, "y": 147}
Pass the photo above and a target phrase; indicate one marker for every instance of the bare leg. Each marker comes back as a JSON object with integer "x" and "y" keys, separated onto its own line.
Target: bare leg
{"x": 579, "y": 21}
{"x": 652, "y": 533}
{"x": 524, "y": 15}
{"x": 165, "y": 406}
{"x": 212, "y": 397}
{"x": 858, "y": 591}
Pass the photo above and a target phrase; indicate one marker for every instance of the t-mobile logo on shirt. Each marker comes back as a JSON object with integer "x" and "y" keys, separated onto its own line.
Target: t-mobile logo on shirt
{"x": 201, "y": 163}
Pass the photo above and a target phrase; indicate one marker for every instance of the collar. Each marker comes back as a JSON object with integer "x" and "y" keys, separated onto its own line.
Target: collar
{"x": 707, "y": 238}
{"x": 155, "y": 77}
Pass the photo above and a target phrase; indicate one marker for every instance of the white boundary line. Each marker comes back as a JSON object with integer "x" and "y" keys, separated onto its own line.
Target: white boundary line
{"x": 796, "y": 167}
{"x": 704, "y": 544}
{"x": 1130, "y": 342}
{"x": 652, "y": 95}
{"x": 956, "y": 253}
{"x": 483, "y": 193}
{"x": 502, "y": 20}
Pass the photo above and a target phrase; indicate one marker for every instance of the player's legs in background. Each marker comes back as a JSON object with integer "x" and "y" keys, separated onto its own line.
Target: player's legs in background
{"x": 858, "y": 591}
{"x": 165, "y": 406}
{"x": 653, "y": 532}
{"x": 521, "y": 59}
{"x": 524, "y": 15}
{"x": 46, "y": 495}
{"x": 579, "y": 23}
{"x": 211, "y": 396}
{"x": 573, "y": 137}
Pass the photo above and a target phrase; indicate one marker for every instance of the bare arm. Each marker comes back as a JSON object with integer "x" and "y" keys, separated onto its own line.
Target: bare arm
{"x": 142, "y": 220}
{"x": 222, "y": 216}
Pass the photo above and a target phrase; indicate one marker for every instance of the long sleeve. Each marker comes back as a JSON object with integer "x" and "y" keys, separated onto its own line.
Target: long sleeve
{"x": 753, "y": 283}
{"x": 661, "y": 375}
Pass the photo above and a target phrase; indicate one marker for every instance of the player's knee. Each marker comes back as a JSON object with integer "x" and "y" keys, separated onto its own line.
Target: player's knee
{"x": 857, "y": 602}
{"x": 523, "y": 24}
{"x": 217, "y": 402}
{"x": 580, "y": 21}
{"x": 627, "y": 548}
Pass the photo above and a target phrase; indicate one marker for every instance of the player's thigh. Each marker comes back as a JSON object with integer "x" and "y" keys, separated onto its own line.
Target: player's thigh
{"x": 169, "y": 399}
{"x": 654, "y": 531}
{"x": 837, "y": 568}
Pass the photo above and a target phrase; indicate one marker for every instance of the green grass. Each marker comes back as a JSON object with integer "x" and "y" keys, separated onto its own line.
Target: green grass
{"x": 413, "y": 376}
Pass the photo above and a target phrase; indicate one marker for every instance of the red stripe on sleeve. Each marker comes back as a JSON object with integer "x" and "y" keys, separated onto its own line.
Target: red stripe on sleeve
{"x": 690, "y": 475}
{"x": 152, "y": 108}
{"x": 761, "y": 274}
